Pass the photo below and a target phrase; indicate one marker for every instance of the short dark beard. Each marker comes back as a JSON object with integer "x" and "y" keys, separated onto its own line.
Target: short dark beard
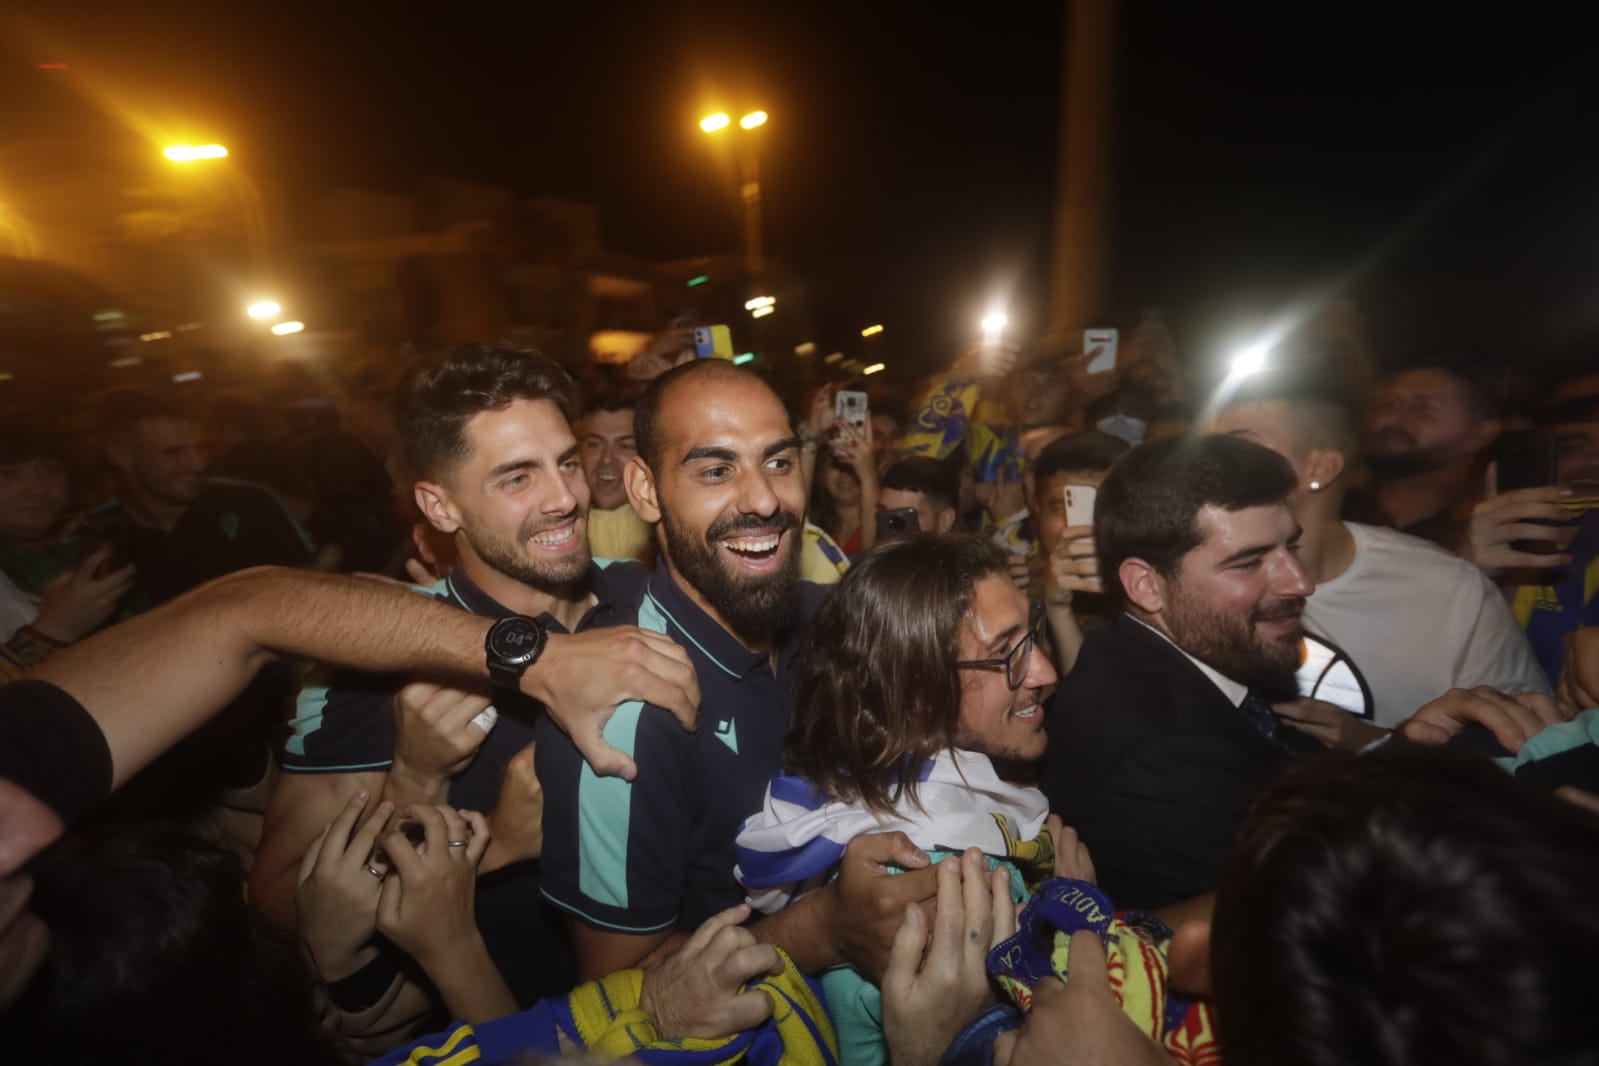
{"x": 560, "y": 581}
{"x": 757, "y": 611}
{"x": 1413, "y": 462}
{"x": 1229, "y": 645}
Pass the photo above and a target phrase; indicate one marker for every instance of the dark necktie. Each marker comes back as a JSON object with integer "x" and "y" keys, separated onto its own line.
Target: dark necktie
{"x": 1259, "y": 714}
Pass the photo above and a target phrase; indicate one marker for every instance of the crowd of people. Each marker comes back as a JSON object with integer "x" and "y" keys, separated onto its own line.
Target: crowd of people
{"x": 1046, "y": 713}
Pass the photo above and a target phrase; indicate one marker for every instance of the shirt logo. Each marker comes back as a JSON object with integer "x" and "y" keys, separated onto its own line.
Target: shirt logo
{"x": 727, "y": 733}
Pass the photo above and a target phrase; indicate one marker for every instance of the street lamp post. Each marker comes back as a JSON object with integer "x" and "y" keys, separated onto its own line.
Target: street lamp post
{"x": 749, "y": 181}
{"x": 243, "y": 189}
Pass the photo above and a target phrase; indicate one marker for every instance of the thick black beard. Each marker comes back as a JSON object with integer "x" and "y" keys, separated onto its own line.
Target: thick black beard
{"x": 1229, "y": 647}
{"x": 757, "y": 611}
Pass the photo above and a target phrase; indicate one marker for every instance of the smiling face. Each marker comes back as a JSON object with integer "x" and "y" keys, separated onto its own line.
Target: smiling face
{"x": 1236, "y": 600}
{"x": 730, "y": 497}
{"x": 518, "y": 503}
{"x": 1420, "y": 421}
{"x": 164, "y": 458}
{"x": 607, "y": 442}
{"x": 1003, "y": 723}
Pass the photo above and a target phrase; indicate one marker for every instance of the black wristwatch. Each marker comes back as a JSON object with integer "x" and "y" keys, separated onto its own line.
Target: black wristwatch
{"x": 513, "y": 645}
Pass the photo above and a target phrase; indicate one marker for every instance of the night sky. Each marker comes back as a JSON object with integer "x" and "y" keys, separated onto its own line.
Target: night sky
{"x": 908, "y": 163}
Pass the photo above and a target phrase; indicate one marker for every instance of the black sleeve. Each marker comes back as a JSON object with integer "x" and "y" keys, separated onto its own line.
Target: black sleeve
{"x": 52, "y": 747}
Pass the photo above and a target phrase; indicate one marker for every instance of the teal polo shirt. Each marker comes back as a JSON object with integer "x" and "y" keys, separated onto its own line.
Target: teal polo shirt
{"x": 656, "y": 853}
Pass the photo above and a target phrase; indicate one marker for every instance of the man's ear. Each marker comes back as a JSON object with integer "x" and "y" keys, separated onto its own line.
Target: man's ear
{"x": 438, "y": 507}
{"x": 1188, "y": 960}
{"x": 945, "y": 519}
{"x": 1144, "y": 586}
{"x": 1323, "y": 467}
{"x": 640, "y": 485}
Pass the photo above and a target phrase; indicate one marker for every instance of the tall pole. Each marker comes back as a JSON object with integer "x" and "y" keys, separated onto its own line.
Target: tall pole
{"x": 1084, "y": 197}
{"x": 750, "y": 193}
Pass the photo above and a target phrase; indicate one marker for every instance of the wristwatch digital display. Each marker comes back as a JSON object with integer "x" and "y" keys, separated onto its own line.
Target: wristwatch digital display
{"x": 513, "y": 645}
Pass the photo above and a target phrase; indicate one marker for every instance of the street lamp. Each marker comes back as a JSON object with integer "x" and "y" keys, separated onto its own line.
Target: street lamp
{"x": 264, "y": 309}
{"x": 248, "y": 196}
{"x": 749, "y": 183}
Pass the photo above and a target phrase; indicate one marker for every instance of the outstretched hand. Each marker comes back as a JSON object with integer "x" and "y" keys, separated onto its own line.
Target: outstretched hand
{"x": 698, "y": 991}
{"x": 582, "y": 678}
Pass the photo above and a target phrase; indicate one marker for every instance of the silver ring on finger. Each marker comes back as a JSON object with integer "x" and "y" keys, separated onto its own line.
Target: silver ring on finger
{"x": 457, "y": 843}
{"x": 375, "y": 872}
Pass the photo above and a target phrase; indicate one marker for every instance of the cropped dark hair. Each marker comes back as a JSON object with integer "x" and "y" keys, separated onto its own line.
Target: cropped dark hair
{"x": 1482, "y": 400}
{"x": 155, "y": 956}
{"x": 933, "y": 478}
{"x": 610, "y": 403}
{"x": 647, "y": 415}
{"x": 439, "y": 397}
{"x": 25, "y": 440}
{"x": 1410, "y": 905}
{"x": 876, "y": 691}
{"x": 1148, "y": 506}
{"x": 1088, "y": 450}
{"x": 1324, "y": 413}
{"x": 120, "y": 410}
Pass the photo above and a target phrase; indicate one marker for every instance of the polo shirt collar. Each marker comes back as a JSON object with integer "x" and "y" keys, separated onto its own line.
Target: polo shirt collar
{"x": 465, "y": 592}
{"x": 705, "y": 632}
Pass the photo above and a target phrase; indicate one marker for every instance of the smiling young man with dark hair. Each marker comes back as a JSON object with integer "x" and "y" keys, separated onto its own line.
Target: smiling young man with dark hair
{"x": 497, "y": 470}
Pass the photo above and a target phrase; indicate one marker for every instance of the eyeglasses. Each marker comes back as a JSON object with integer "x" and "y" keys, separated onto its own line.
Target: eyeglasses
{"x": 1014, "y": 662}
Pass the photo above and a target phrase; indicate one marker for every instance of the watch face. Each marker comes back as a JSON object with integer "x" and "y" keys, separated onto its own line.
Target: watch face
{"x": 515, "y": 639}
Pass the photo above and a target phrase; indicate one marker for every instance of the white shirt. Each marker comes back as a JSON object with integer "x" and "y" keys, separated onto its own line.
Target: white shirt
{"x": 1418, "y": 621}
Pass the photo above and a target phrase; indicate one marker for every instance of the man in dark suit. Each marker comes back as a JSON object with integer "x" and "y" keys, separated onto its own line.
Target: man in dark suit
{"x": 1163, "y": 733}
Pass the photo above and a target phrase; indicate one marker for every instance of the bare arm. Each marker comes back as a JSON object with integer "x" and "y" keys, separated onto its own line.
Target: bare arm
{"x": 200, "y": 650}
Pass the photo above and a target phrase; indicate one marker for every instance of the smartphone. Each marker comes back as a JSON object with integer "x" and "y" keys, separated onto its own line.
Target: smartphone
{"x": 713, "y": 342}
{"x": 1105, "y": 339}
{"x": 1526, "y": 459}
{"x": 1080, "y": 505}
{"x": 897, "y": 522}
{"x": 850, "y": 408}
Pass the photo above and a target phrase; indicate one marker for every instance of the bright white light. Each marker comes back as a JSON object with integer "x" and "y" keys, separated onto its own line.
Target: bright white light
{"x": 758, "y": 302}
{"x": 871, "y": 331}
{"x": 188, "y": 375}
{"x": 1251, "y": 360}
{"x": 263, "y": 309}
{"x": 753, "y": 119}
{"x": 712, "y": 123}
{"x": 994, "y": 322}
{"x": 188, "y": 153}
{"x": 762, "y": 312}
{"x": 875, "y": 368}
{"x": 283, "y": 329}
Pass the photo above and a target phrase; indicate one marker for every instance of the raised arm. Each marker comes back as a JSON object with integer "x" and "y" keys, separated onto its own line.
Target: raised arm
{"x": 151, "y": 680}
